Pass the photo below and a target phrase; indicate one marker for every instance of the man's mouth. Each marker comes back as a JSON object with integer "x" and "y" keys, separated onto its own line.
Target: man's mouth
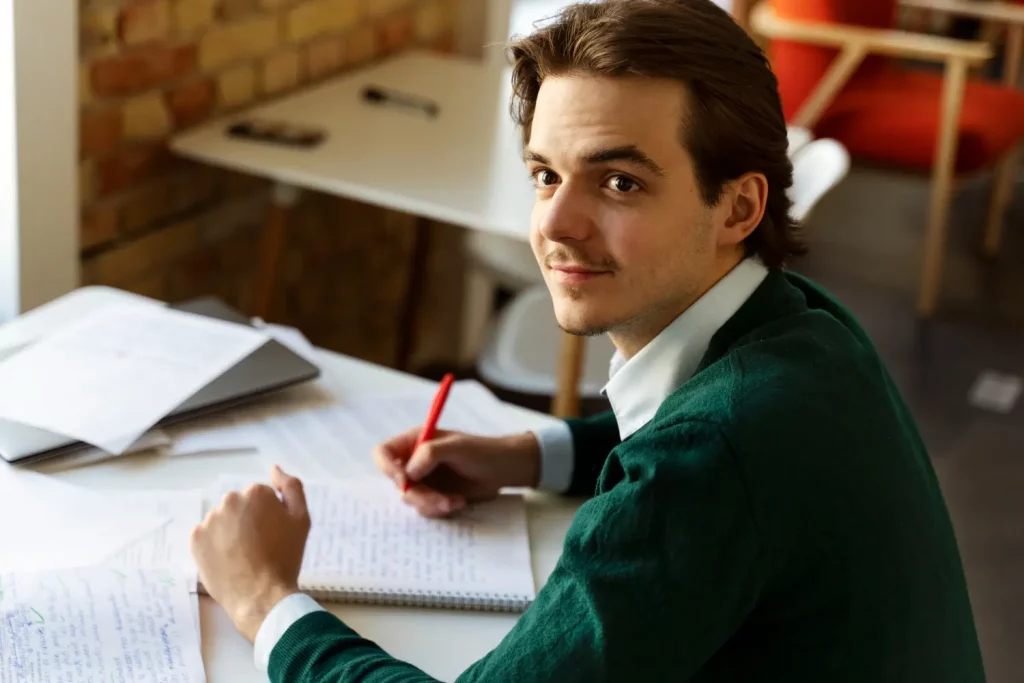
{"x": 576, "y": 275}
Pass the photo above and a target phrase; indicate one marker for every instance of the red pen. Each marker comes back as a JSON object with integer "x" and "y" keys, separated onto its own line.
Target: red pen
{"x": 435, "y": 414}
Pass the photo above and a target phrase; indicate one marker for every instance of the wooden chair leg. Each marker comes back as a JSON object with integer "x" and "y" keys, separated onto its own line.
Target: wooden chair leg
{"x": 1006, "y": 173}
{"x": 838, "y": 75}
{"x": 409, "y": 315}
{"x": 570, "y": 367}
{"x": 942, "y": 187}
{"x": 283, "y": 199}
{"x": 1014, "y": 54}
{"x": 478, "y": 291}
{"x": 990, "y": 32}
{"x": 1002, "y": 187}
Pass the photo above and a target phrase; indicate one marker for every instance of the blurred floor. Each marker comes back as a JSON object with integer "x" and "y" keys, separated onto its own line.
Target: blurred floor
{"x": 865, "y": 242}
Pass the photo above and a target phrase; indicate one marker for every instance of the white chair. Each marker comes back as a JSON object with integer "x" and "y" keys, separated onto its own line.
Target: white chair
{"x": 817, "y": 167}
{"x": 522, "y": 350}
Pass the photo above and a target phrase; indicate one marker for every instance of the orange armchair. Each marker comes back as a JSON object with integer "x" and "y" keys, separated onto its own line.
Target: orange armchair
{"x": 836, "y": 75}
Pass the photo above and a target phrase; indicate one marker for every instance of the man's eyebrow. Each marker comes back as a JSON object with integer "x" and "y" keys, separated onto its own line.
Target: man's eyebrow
{"x": 530, "y": 155}
{"x": 629, "y": 153}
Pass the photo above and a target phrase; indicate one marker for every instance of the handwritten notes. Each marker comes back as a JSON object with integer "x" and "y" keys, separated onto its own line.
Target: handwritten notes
{"x": 144, "y": 361}
{"x": 168, "y": 546}
{"x": 100, "y": 625}
{"x": 364, "y": 538}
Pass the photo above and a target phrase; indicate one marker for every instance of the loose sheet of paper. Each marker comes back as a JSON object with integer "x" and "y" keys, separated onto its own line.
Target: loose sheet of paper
{"x": 243, "y": 430}
{"x": 148, "y": 442}
{"x": 49, "y": 524}
{"x": 74, "y": 306}
{"x": 168, "y": 546}
{"x": 364, "y": 537}
{"x": 338, "y": 440}
{"x": 109, "y": 378}
{"x": 98, "y": 625}
{"x": 216, "y": 434}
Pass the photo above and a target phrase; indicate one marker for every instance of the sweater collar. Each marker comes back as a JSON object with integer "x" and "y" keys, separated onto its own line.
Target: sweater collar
{"x": 638, "y": 387}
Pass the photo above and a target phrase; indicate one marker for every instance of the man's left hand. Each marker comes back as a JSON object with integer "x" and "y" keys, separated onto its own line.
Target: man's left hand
{"x": 249, "y": 550}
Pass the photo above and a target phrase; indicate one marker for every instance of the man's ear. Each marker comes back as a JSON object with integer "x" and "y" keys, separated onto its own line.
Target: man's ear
{"x": 744, "y": 200}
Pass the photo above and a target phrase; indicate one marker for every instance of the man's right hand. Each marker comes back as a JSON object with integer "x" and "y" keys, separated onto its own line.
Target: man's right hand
{"x": 453, "y": 468}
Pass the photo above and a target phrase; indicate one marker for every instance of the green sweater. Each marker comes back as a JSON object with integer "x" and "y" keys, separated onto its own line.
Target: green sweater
{"x": 778, "y": 520}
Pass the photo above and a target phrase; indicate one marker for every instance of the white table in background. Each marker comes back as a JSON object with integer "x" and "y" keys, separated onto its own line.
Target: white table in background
{"x": 441, "y": 642}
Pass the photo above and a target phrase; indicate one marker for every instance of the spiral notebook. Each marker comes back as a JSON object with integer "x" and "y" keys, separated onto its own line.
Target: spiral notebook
{"x": 367, "y": 546}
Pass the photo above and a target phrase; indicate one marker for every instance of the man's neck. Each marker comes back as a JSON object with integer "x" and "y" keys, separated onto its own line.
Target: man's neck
{"x": 630, "y": 339}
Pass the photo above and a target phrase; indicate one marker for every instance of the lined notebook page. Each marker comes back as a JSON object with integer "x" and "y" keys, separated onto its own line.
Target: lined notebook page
{"x": 366, "y": 537}
{"x": 366, "y": 542}
{"x": 98, "y": 625}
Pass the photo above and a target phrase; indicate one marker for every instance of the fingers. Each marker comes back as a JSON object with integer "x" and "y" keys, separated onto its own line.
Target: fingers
{"x": 431, "y": 503}
{"x": 391, "y": 467}
{"x": 391, "y": 456}
{"x": 397, "y": 460}
{"x": 399, "y": 448}
{"x": 293, "y": 494}
{"x": 426, "y": 458}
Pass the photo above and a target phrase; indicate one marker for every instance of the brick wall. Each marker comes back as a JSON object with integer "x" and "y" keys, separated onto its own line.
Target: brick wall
{"x": 161, "y": 226}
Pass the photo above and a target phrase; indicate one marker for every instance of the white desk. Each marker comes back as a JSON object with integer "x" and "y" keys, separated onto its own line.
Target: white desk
{"x": 463, "y": 167}
{"x": 443, "y": 643}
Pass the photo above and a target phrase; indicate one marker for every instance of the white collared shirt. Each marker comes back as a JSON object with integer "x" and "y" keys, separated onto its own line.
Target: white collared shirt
{"x": 636, "y": 389}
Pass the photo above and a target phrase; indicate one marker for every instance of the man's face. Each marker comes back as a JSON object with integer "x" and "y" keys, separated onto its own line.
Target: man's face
{"x": 619, "y": 228}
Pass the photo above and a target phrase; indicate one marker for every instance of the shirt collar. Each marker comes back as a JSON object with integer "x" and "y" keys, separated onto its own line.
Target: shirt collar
{"x": 638, "y": 387}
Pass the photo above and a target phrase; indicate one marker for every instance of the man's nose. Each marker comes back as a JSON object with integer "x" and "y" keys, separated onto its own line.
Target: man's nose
{"x": 566, "y": 216}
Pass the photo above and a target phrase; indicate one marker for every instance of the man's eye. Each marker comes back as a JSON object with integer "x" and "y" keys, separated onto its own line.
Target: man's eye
{"x": 622, "y": 183}
{"x": 545, "y": 177}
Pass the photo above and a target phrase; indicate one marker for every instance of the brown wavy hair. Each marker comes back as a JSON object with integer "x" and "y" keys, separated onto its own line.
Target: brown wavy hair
{"x": 734, "y": 123}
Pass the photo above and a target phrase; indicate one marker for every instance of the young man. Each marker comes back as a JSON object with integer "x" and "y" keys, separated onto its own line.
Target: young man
{"x": 762, "y": 507}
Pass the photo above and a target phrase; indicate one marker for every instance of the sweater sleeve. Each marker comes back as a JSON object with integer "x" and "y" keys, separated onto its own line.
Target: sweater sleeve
{"x": 593, "y": 439}
{"x": 656, "y": 575}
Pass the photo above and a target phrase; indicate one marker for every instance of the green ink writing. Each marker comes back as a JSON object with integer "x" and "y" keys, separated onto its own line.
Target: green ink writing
{"x": 36, "y": 612}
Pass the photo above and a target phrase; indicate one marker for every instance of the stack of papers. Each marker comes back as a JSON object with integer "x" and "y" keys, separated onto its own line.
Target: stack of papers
{"x": 98, "y": 624}
{"x": 53, "y": 525}
{"x": 107, "y": 379}
{"x": 116, "y": 562}
{"x": 49, "y": 524}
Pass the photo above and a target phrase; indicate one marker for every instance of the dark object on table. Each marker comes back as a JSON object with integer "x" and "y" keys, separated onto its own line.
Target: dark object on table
{"x": 382, "y": 96}
{"x": 277, "y": 132}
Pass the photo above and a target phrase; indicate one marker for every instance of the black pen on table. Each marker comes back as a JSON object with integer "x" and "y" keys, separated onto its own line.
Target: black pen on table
{"x": 378, "y": 95}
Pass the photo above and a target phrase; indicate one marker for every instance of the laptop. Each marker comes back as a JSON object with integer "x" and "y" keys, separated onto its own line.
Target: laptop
{"x": 269, "y": 368}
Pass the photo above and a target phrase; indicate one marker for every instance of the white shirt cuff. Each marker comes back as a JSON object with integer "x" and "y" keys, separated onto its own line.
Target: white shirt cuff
{"x": 556, "y": 457}
{"x": 279, "y": 620}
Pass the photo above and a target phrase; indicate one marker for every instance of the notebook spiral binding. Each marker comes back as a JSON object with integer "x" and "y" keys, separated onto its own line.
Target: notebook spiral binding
{"x": 487, "y": 602}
